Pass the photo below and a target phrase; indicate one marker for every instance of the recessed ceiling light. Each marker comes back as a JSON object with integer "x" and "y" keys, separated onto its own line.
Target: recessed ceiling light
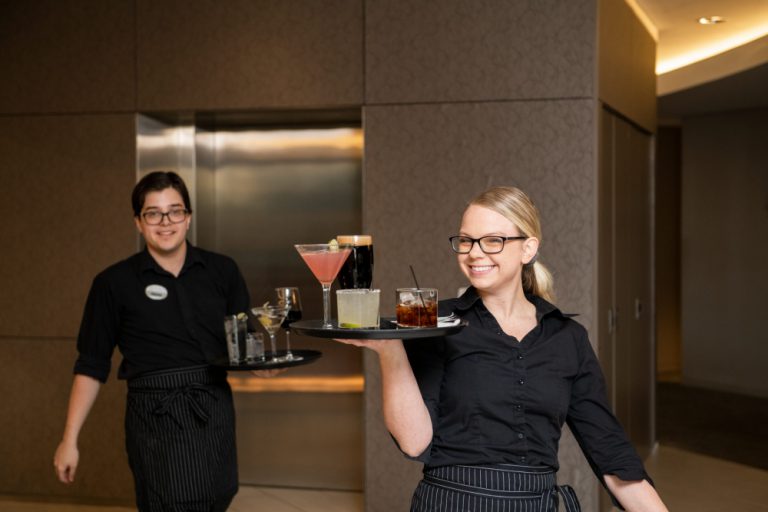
{"x": 711, "y": 20}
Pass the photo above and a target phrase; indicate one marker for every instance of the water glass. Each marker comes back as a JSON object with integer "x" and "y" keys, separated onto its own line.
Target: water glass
{"x": 236, "y": 328}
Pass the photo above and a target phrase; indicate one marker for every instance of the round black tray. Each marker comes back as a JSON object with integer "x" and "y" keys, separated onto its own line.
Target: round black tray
{"x": 307, "y": 356}
{"x": 387, "y": 330}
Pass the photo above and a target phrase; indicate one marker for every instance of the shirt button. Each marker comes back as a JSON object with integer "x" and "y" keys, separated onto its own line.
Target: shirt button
{"x": 518, "y": 407}
{"x": 523, "y": 458}
{"x": 520, "y": 435}
{"x": 521, "y": 381}
{"x": 520, "y": 356}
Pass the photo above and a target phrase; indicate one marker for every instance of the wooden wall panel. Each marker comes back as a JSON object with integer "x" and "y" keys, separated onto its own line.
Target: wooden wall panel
{"x": 65, "y": 202}
{"x": 32, "y": 421}
{"x": 67, "y": 56}
{"x": 249, "y": 54}
{"x": 482, "y": 50}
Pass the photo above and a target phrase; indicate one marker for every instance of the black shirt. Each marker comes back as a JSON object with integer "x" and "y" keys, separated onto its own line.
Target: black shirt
{"x": 493, "y": 399}
{"x": 159, "y": 321}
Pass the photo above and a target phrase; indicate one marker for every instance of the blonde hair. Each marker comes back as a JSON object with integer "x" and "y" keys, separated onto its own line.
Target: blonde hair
{"x": 515, "y": 205}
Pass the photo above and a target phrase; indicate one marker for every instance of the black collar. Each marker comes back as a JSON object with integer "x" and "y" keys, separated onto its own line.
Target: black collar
{"x": 470, "y": 297}
{"x": 193, "y": 256}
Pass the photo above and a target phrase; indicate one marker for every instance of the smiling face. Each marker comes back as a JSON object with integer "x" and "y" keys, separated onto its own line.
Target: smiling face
{"x": 500, "y": 272}
{"x": 166, "y": 239}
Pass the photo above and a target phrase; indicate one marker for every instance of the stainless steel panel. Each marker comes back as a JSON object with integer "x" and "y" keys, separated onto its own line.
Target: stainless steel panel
{"x": 255, "y": 192}
{"x": 311, "y": 440}
{"x": 271, "y": 189}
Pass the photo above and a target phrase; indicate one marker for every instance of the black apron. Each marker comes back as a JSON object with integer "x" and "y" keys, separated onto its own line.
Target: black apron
{"x": 180, "y": 438}
{"x": 491, "y": 488}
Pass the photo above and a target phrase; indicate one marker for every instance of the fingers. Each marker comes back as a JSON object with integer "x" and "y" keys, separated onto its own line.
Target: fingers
{"x": 372, "y": 344}
{"x": 268, "y": 373}
{"x": 65, "y": 463}
{"x": 357, "y": 343}
{"x": 65, "y": 473}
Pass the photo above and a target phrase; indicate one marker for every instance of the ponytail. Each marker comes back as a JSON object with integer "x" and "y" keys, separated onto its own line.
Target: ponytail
{"x": 537, "y": 280}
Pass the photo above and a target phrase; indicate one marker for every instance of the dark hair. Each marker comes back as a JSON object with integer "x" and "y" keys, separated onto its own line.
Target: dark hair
{"x": 155, "y": 182}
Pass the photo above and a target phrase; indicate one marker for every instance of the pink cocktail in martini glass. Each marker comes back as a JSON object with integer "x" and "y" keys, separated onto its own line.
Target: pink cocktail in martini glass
{"x": 325, "y": 261}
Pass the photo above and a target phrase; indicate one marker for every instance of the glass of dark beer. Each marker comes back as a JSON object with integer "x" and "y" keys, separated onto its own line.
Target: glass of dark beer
{"x": 357, "y": 271}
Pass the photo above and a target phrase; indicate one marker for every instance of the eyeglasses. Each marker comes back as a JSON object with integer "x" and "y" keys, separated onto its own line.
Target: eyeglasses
{"x": 488, "y": 244}
{"x": 155, "y": 217}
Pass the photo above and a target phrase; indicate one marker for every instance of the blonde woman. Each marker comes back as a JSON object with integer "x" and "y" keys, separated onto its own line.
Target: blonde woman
{"x": 483, "y": 409}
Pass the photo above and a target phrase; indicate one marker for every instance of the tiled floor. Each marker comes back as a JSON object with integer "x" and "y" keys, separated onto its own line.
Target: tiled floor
{"x": 687, "y": 482}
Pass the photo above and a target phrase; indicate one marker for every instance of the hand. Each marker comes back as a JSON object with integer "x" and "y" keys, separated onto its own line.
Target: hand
{"x": 65, "y": 462}
{"x": 375, "y": 345}
{"x": 268, "y": 373}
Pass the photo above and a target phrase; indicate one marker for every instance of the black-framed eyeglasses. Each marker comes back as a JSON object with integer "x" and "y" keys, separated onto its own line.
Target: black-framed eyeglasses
{"x": 155, "y": 217}
{"x": 488, "y": 244}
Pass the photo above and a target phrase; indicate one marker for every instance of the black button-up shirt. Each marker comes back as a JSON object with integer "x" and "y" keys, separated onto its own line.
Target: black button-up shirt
{"x": 495, "y": 399}
{"x": 159, "y": 321}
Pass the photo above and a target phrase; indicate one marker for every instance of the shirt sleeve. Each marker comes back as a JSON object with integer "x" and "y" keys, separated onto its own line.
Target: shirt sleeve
{"x": 426, "y": 359}
{"x": 596, "y": 429}
{"x": 98, "y": 332}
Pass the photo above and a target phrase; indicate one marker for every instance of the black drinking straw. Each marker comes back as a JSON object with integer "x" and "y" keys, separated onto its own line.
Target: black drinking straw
{"x": 417, "y": 286}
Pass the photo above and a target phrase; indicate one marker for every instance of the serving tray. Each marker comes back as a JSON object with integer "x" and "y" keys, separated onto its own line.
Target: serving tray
{"x": 307, "y": 357}
{"x": 388, "y": 329}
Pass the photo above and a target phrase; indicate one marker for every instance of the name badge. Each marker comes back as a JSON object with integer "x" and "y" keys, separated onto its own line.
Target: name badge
{"x": 156, "y": 292}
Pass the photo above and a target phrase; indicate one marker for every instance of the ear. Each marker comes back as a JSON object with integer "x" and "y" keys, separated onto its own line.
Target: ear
{"x": 137, "y": 222}
{"x": 530, "y": 249}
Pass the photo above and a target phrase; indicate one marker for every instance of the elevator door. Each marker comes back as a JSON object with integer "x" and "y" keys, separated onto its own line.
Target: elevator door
{"x": 262, "y": 191}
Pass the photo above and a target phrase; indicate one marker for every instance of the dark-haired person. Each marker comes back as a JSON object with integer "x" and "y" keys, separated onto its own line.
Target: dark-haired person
{"x": 483, "y": 409}
{"x": 163, "y": 308}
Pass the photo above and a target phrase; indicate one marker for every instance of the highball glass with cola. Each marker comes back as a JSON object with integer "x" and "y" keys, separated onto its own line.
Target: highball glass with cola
{"x": 416, "y": 307}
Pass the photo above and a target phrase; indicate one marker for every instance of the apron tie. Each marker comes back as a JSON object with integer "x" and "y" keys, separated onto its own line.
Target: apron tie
{"x": 191, "y": 394}
{"x": 550, "y": 497}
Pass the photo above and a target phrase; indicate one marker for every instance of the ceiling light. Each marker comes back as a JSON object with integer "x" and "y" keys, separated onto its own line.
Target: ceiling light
{"x": 711, "y": 20}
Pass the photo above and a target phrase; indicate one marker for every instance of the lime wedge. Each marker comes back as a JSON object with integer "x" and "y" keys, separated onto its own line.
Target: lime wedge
{"x": 347, "y": 325}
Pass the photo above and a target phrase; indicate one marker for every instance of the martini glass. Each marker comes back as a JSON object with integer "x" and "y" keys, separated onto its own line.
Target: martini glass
{"x": 270, "y": 317}
{"x": 324, "y": 260}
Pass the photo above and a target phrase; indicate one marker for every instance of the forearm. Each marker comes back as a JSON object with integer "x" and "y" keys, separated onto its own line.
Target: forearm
{"x": 81, "y": 399}
{"x": 635, "y": 496}
{"x": 405, "y": 414}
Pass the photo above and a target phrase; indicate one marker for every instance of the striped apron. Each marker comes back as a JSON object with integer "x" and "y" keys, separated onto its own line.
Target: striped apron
{"x": 180, "y": 439}
{"x": 491, "y": 488}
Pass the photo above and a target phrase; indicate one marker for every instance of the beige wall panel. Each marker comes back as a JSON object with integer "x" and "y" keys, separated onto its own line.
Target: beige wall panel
{"x": 32, "y": 422}
{"x": 626, "y": 64}
{"x": 482, "y": 50}
{"x": 422, "y": 165}
{"x": 249, "y": 54}
{"x": 65, "y": 201}
{"x": 67, "y": 56}
{"x": 724, "y": 251}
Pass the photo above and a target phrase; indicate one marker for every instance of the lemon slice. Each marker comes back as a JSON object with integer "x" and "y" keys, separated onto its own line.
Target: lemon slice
{"x": 241, "y": 316}
{"x": 333, "y": 245}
